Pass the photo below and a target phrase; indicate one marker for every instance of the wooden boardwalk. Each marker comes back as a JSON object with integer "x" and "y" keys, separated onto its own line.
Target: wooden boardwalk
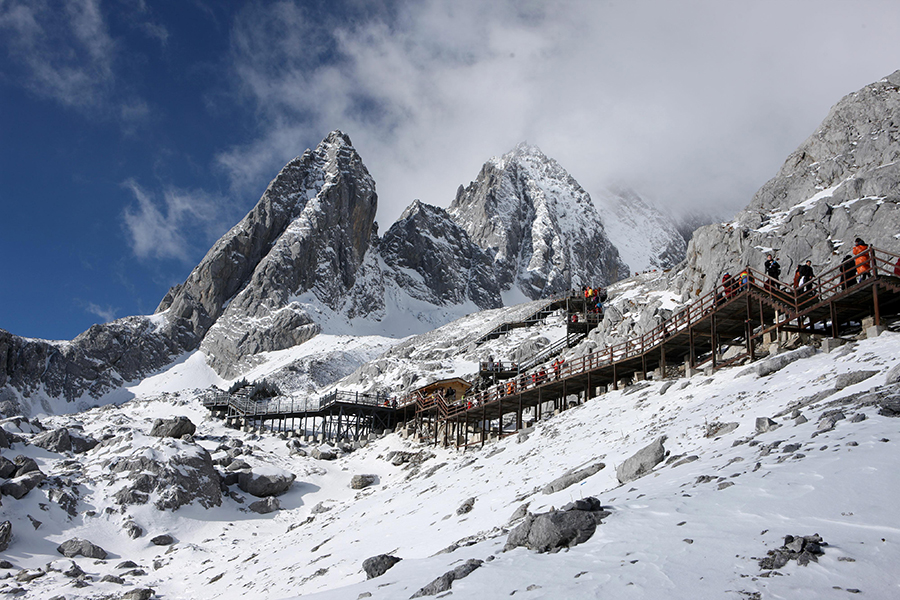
{"x": 740, "y": 316}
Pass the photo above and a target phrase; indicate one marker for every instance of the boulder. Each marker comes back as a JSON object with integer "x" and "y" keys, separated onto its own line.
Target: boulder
{"x": 5, "y": 535}
{"x": 765, "y": 424}
{"x": 57, "y": 441}
{"x": 780, "y": 361}
{"x": 265, "y": 506}
{"x": 4, "y": 440}
{"x": 554, "y": 530}
{"x": 138, "y": 594}
{"x": 359, "y": 482}
{"x": 25, "y": 464}
{"x": 378, "y": 565}
{"x": 265, "y": 481}
{"x": 320, "y": 454}
{"x": 76, "y": 546}
{"x": 443, "y": 583}
{"x": 572, "y": 477}
{"x": 133, "y": 530}
{"x": 893, "y": 376}
{"x": 7, "y": 467}
{"x": 162, "y": 540}
{"x": 173, "y": 428}
{"x": 19, "y": 486}
{"x": 466, "y": 507}
{"x": 642, "y": 462}
{"x": 178, "y": 472}
{"x": 847, "y": 379}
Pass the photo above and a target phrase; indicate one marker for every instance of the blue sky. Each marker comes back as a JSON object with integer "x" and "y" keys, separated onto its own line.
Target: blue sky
{"x": 135, "y": 133}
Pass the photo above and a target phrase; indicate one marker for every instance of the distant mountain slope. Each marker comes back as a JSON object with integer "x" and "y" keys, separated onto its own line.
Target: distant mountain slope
{"x": 538, "y": 224}
{"x": 646, "y": 238}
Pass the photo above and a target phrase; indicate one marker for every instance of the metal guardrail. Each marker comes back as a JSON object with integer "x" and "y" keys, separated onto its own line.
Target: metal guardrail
{"x": 286, "y": 405}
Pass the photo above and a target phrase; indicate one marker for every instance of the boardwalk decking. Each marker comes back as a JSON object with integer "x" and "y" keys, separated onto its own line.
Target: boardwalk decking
{"x": 739, "y": 316}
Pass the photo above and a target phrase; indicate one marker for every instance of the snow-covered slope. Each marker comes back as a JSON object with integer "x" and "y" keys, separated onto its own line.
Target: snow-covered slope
{"x": 646, "y": 238}
{"x": 693, "y": 528}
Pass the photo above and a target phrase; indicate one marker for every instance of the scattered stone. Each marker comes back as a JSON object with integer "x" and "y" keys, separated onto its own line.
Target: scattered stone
{"x": 466, "y": 506}
{"x": 22, "y": 484}
{"x": 847, "y": 379}
{"x": 265, "y": 481}
{"x": 893, "y": 376}
{"x": 113, "y": 579}
{"x": 173, "y": 428}
{"x": 828, "y": 421}
{"x": 725, "y": 484}
{"x": 378, "y": 565}
{"x": 800, "y": 420}
{"x": 138, "y": 594}
{"x": 765, "y": 424}
{"x": 64, "y": 440}
{"x": 26, "y": 575}
{"x": 359, "y": 482}
{"x": 779, "y": 361}
{"x": 642, "y": 462}
{"x": 162, "y": 540}
{"x": 265, "y": 506}
{"x": 858, "y": 418}
{"x": 133, "y": 530}
{"x": 520, "y": 513}
{"x": 716, "y": 429}
{"x": 802, "y": 549}
{"x": 551, "y": 531}
{"x": 128, "y": 564}
{"x": 75, "y": 546}
{"x": 791, "y": 448}
{"x": 572, "y": 477}
{"x": 5, "y": 535}
{"x": 7, "y": 467}
{"x": 320, "y": 454}
{"x": 685, "y": 460}
{"x": 443, "y": 583}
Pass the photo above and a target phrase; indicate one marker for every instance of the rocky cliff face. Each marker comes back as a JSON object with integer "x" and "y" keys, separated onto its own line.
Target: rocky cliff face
{"x": 308, "y": 234}
{"x": 843, "y": 182}
{"x": 433, "y": 259}
{"x": 538, "y": 225}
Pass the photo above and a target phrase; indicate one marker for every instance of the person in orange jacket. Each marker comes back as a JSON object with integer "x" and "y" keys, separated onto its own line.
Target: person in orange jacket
{"x": 863, "y": 262}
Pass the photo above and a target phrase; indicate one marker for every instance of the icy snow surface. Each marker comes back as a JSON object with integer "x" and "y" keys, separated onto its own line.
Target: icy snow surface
{"x": 670, "y": 535}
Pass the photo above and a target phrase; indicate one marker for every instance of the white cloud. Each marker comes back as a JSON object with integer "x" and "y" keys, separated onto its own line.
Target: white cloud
{"x": 107, "y": 314}
{"x": 179, "y": 227}
{"x": 696, "y": 103}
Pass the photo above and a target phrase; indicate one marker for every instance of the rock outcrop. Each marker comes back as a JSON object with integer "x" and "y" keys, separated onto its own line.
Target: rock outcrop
{"x": 538, "y": 224}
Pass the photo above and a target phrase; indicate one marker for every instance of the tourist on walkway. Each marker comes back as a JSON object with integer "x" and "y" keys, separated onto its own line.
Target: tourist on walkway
{"x": 863, "y": 261}
{"x": 848, "y": 272}
{"x": 805, "y": 271}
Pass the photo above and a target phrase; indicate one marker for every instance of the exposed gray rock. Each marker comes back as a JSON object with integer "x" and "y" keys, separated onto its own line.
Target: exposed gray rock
{"x": 19, "y": 486}
{"x": 76, "y": 546}
{"x": 262, "y": 482}
{"x": 7, "y": 467}
{"x": 162, "y": 540}
{"x": 850, "y": 162}
{"x": 5, "y": 535}
{"x": 320, "y": 454}
{"x": 642, "y": 462}
{"x": 138, "y": 594}
{"x": 358, "y": 482}
{"x": 63, "y": 440}
{"x": 377, "y": 566}
{"x": 265, "y": 506}
{"x": 4, "y": 440}
{"x": 24, "y": 465}
{"x": 765, "y": 424}
{"x": 847, "y": 379}
{"x": 133, "y": 530}
{"x": 444, "y": 582}
{"x": 574, "y": 524}
{"x": 572, "y": 477}
{"x": 500, "y": 209}
{"x": 466, "y": 507}
{"x": 175, "y": 427}
{"x": 178, "y": 472}
{"x": 780, "y": 361}
{"x": 802, "y": 549}
{"x": 893, "y": 376}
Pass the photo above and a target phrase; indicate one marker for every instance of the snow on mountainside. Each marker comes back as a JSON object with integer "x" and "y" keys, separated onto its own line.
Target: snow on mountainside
{"x": 695, "y": 527}
{"x": 645, "y": 238}
{"x": 539, "y": 225}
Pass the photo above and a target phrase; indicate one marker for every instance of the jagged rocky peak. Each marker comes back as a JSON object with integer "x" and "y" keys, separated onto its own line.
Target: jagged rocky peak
{"x": 646, "y": 238}
{"x": 434, "y": 260}
{"x": 538, "y": 224}
{"x": 843, "y": 182}
{"x": 303, "y": 242}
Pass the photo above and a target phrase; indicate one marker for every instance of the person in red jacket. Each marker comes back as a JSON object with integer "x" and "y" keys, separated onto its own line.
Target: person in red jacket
{"x": 863, "y": 261}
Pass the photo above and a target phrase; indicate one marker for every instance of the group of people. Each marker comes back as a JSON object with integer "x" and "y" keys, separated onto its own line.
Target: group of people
{"x": 594, "y": 299}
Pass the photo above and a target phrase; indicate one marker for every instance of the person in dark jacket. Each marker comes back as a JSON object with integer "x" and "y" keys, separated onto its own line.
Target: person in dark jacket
{"x": 806, "y": 276}
{"x": 773, "y": 269}
{"x": 848, "y": 272}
